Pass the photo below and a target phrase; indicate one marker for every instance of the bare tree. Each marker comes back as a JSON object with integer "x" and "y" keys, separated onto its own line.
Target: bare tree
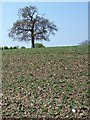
{"x": 85, "y": 42}
{"x": 31, "y": 26}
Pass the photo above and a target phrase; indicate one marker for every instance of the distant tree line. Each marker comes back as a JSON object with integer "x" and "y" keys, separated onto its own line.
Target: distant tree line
{"x": 37, "y": 45}
{"x": 6, "y": 47}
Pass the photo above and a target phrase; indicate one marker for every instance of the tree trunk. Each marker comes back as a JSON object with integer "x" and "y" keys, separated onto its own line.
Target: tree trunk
{"x": 32, "y": 41}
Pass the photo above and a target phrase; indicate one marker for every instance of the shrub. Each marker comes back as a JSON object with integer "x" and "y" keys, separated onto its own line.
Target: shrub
{"x": 2, "y": 48}
{"x": 22, "y": 47}
{"x": 39, "y": 45}
{"x": 5, "y": 47}
{"x": 11, "y": 47}
{"x": 15, "y": 47}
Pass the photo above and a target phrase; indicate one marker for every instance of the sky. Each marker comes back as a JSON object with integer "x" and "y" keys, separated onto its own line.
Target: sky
{"x": 71, "y": 19}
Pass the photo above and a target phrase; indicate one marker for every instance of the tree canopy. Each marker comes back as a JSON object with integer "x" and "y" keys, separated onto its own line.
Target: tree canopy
{"x": 31, "y": 26}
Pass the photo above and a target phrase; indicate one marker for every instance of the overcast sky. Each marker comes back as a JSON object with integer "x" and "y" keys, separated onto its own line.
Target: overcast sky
{"x": 71, "y": 19}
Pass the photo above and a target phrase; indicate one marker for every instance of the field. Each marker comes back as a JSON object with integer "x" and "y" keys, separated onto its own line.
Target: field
{"x": 45, "y": 82}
